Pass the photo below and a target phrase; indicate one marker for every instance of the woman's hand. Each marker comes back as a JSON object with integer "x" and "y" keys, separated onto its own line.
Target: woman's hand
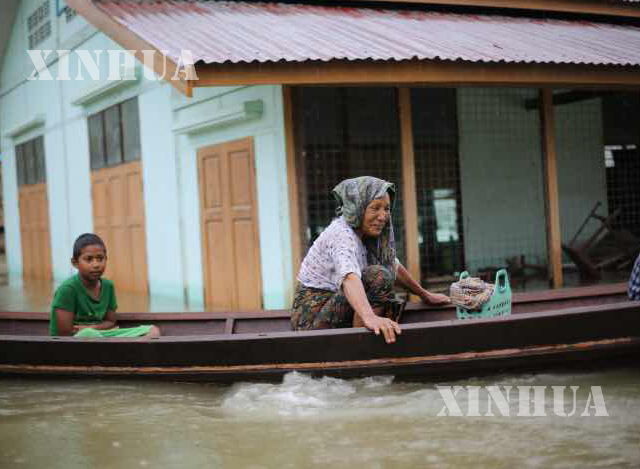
{"x": 435, "y": 298}
{"x": 404, "y": 278}
{"x": 378, "y": 324}
{"x": 364, "y": 314}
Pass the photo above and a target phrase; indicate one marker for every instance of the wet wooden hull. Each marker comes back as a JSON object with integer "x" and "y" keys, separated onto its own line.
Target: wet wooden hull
{"x": 569, "y": 328}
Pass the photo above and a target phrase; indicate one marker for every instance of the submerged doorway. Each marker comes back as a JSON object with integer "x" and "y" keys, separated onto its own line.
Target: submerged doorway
{"x": 118, "y": 218}
{"x": 229, "y": 226}
{"x": 117, "y": 193}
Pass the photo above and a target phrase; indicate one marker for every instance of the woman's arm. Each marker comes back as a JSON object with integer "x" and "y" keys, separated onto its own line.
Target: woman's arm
{"x": 354, "y": 291}
{"x": 404, "y": 278}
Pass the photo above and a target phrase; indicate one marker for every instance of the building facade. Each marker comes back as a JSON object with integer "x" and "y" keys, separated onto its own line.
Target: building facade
{"x": 214, "y": 198}
{"x": 61, "y": 118}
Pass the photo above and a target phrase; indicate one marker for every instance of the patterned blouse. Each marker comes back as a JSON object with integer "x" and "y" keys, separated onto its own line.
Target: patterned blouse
{"x": 337, "y": 252}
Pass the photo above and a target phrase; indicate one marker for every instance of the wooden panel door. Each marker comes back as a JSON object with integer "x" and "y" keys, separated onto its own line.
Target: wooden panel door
{"x": 34, "y": 231}
{"x": 229, "y": 226}
{"x": 118, "y": 218}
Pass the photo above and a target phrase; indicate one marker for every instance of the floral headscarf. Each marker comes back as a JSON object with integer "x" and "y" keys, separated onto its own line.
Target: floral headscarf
{"x": 353, "y": 196}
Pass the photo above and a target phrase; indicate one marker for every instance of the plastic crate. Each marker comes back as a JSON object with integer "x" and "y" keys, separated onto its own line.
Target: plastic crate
{"x": 498, "y": 305}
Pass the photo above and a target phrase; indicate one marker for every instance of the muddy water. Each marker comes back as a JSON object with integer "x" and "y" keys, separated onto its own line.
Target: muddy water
{"x": 304, "y": 422}
{"x": 35, "y": 296}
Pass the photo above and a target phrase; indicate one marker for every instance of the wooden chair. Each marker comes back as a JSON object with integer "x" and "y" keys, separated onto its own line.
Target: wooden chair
{"x": 616, "y": 248}
{"x": 520, "y": 272}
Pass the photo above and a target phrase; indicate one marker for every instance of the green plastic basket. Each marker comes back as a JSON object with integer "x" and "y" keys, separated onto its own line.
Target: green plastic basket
{"x": 498, "y": 305}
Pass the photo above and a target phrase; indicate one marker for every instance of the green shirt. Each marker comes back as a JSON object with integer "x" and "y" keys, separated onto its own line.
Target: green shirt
{"x": 73, "y": 296}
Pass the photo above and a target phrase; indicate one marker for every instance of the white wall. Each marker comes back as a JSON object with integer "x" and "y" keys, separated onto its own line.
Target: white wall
{"x": 164, "y": 256}
{"x": 271, "y": 180}
{"x": 65, "y": 138}
{"x": 502, "y": 179}
{"x": 582, "y": 177}
{"x": 11, "y": 214}
{"x": 168, "y": 161}
{"x": 501, "y": 176}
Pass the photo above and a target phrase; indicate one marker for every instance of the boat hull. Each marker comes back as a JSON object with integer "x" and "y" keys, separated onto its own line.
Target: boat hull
{"x": 608, "y": 333}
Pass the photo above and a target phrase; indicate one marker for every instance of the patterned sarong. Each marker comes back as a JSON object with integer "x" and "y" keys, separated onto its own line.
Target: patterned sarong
{"x": 321, "y": 309}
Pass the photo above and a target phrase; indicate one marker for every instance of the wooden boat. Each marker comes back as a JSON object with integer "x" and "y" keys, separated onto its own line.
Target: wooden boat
{"x": 561, "y": 328}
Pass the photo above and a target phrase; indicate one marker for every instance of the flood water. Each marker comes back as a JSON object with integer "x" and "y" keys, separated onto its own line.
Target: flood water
{"x": 368, "y": 423}
{"x": 374, "y": 422}
{"x": 36, "y": 296}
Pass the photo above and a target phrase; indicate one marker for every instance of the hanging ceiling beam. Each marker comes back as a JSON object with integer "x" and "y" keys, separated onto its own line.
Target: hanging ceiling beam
{"x": 619, "y": 9}
{"x": 567, "y": 97}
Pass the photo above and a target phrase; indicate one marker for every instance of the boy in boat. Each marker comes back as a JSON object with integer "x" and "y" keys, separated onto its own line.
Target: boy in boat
{"x": 85, "y": 304}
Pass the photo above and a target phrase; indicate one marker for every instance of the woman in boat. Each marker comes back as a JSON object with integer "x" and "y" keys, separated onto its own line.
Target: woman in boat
{"x": 347, "y": 277}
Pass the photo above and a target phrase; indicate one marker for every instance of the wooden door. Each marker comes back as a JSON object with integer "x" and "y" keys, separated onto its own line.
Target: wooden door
{"x": 229, "y": 226}
{"x": 34, "y": 231}
{"x": 118, "y": 218}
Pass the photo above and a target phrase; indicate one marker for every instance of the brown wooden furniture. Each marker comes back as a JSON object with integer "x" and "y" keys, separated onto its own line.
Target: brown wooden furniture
{"x": 617, "y": 248}
{"x": 520, "y": 272}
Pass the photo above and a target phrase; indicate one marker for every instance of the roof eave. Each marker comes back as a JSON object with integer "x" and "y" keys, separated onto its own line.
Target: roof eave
{"x": 423, "y": 72}
{"x": 429, "y": 72}
{"x": 162, "y": 65}
{"x": 625, "y": 10}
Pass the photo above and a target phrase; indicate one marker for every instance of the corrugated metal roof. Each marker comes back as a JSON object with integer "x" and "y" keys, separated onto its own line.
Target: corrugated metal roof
{"x": 223, "y": 31}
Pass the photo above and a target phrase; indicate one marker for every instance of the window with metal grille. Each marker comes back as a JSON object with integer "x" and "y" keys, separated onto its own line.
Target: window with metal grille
{"x": 435, "y": 139}
{"x": 345, "y": 133}
{"x": 597, "y": 143}
{"x": 30, "y": 163}
{"x": 621, "y": 114}
{"x": 502, "y": 185}
{"x": 114, "y": 135}
{"x": 39, "y": 25}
